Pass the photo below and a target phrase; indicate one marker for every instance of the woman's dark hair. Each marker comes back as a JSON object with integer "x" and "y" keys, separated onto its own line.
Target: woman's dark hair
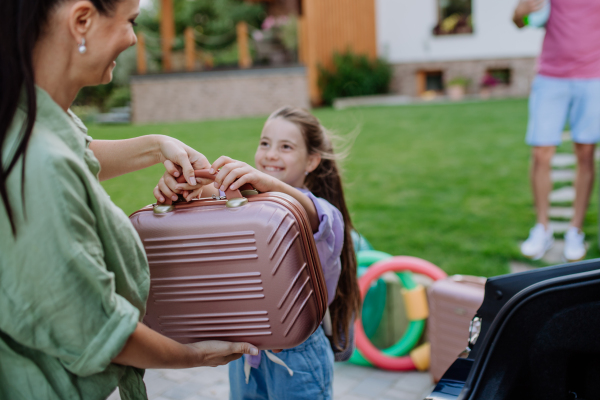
{"x": 22, "y": 22}
{"x": 326, "y": 182}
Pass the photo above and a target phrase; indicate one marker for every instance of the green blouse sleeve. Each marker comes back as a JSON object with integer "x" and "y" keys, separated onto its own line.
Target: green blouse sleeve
{"x": 56, "y": 293}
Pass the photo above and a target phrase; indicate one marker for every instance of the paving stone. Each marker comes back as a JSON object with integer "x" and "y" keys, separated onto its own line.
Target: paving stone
{"x": 561, "y": 212}
{"x": 560, "y": 226}
{"x": 414, "y": 382}
{"x": 519, "y": 266}
{"x": 371, "y": 387}
{"x": 563, "y": 195}
{"x": 353, "y": 397}
{"x": 563, "y": 160}
{"x": 155, "y": 387}
{"x": 343, "y": 385}
{"x": 397, "y": 394}
{"x": 218, "y": 391}
{"x": 562, "y": 175}
{"x": 178, "y": 393}
{"x": 554, "y": 256}
{"x": 177, "y": 375}
{"x": 114, "y": 395}
{"x": 198, "y": 397}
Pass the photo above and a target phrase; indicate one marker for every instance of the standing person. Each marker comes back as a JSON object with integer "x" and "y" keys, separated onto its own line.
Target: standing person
{"x": 295, "y": 156}
{"x": 73, "y": 273}
{"x": 566, "y": 89}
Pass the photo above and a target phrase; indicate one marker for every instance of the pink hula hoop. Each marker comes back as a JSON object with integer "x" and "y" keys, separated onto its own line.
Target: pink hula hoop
{"x": 394, "y": 264}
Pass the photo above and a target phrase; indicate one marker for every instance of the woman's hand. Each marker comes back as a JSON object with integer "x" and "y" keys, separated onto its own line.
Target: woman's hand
{"x": 168, "y": 188}
{"x": 118, "y": 157}
{"x": 173, "y": 153}
{"x": 146, "y": 348}
{"x": 234, "y": 174}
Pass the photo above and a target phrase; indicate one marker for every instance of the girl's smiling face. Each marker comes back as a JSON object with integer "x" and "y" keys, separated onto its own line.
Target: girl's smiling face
{"x": 282, "y": 153}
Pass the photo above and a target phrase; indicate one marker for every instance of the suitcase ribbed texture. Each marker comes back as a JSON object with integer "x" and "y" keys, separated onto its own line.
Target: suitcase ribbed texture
{"x": 238, "y": 274}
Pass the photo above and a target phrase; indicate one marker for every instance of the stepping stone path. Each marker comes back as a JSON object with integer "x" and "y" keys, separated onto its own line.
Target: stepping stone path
{"x": 350, "y": 382}
{"x": 562, "y": 172}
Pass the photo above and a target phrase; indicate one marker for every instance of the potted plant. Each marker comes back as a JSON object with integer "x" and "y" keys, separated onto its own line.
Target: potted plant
{"x": 487, "y": 83}
{"x": 277, "y": 40}
{"x": 457, "y": 88}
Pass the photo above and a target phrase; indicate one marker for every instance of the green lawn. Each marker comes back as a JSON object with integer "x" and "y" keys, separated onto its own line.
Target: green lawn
{"x": 446, "y": 182}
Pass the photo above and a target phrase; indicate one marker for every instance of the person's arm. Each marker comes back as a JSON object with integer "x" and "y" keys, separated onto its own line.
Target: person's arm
{"x": 234, "y": 174}
{"x": 146, "y": 348}
{"x": 118, "y": 157}
{"x": 526, "y": 7}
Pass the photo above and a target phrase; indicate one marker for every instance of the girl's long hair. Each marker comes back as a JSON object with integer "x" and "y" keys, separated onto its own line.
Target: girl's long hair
{"x": 326, "y": 182}
{"x": 22, "y": 22}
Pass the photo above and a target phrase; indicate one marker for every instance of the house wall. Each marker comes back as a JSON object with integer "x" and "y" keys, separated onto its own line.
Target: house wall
{"x": 522, "y": 73}
{"x": 404, "y": 33}
{"x": 216, "y": 94}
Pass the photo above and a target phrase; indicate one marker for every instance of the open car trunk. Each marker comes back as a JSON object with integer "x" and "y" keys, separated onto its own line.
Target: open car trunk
{"x": 539, "y": 338}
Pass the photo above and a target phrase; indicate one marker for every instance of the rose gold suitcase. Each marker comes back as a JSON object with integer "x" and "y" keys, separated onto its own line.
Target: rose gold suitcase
{"x": 244, "y": 268}
{"x": 453, "y": 302}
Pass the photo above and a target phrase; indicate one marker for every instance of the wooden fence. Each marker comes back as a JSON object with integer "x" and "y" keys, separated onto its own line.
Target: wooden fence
{"x": 329, "y": 26}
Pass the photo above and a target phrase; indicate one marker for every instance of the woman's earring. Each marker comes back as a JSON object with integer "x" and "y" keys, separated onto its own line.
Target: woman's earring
{"x": 306, "y": 173}
{"x": 82, "y": 49}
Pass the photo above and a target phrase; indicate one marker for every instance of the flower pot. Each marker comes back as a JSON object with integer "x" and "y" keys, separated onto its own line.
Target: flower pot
{"x": 456, "y": 92}
{"x": 485, "y": 93}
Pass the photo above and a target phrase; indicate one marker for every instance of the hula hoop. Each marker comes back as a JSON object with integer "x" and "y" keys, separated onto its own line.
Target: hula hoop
{"x": 395, "y": 264}
{"x": 415, "y": 327}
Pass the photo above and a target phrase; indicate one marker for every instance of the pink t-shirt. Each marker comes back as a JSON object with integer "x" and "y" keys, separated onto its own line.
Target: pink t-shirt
{"x": 572, "y": 43}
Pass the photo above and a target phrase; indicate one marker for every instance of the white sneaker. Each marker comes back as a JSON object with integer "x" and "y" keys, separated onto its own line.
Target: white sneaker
{"x": 574, "y": 245}
{"x": 538, "y": 243}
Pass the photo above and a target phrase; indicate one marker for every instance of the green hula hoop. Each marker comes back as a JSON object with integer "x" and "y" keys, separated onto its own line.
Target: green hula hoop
{"x": 415, "y": 328}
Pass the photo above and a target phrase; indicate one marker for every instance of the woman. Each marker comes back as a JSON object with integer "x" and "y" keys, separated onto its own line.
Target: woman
{"x": 73, "y": 274}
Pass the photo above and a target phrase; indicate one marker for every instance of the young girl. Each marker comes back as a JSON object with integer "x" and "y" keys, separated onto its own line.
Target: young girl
{"x": 295, "y": 156}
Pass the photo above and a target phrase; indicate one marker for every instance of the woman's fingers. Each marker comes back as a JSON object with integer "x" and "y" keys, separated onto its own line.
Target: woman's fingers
{"x": 158, "y": 195}
{"x": 186, "y": 167}
{"x": 215, "y": 352}
{"x": 172, "y": 169}
{"x": 165, "y": 190}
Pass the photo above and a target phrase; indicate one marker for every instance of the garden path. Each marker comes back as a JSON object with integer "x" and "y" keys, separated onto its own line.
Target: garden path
{"x": 561, "y": 209}
{"x": 350, "y": 382}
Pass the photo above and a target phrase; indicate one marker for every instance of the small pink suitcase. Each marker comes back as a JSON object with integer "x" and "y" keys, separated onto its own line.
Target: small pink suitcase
{"x": 453, "y": 302}
{"x": 244, "y": 268}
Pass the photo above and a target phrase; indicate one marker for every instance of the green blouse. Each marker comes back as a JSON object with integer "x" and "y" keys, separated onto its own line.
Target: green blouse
{"x": 74, "y": 281}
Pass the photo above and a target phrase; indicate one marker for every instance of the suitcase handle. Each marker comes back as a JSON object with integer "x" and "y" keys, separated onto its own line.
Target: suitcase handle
{"x": 230, "y": 194}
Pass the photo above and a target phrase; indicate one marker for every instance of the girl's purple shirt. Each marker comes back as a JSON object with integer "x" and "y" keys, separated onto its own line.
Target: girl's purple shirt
{"x": 329, "y": 239}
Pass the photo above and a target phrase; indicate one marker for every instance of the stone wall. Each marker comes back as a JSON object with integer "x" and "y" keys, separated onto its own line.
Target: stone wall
{"x": 216, "y": 94}
{"x": 404, "y": 79}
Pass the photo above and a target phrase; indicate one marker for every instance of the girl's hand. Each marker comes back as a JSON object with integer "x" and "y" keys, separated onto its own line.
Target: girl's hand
{"x": 234, "y": 174}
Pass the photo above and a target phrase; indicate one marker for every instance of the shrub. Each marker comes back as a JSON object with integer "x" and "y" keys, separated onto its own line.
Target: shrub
{"x": 459, "y": 81}
{"x": 354, "y": 75}
{"x": 119, "y": 97}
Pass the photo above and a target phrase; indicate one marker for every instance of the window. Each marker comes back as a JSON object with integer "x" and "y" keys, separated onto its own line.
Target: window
{"x": 454, "y": 17}
{"x": 430, "y": 81}
{"x": 500, "y": 75}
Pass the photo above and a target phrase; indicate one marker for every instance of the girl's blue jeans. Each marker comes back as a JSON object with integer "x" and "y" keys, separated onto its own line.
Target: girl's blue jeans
{"x": 312, "y": 363}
